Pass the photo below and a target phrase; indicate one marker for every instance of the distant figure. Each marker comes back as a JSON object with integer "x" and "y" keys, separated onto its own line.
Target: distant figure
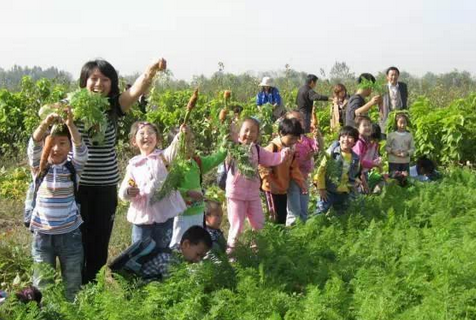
{"x": 270, "y": 94}
{"x": 340, "y": 99}
{"x": 305, "y": 99}
{"x": 357, "y": 105}
{"x": 395, "y": 98}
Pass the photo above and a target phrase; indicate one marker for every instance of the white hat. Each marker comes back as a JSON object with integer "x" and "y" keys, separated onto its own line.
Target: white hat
{"x": 267, "y": 82}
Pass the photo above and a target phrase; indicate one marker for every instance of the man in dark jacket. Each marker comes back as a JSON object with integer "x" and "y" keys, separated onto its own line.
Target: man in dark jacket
{"x": 305, "y": 100}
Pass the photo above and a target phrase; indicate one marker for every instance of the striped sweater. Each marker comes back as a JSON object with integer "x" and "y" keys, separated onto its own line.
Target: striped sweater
{"x": 56, "y": 211}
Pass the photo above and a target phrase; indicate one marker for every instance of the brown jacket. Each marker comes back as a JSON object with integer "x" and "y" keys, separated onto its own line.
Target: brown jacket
{"x": 276, "y": 179}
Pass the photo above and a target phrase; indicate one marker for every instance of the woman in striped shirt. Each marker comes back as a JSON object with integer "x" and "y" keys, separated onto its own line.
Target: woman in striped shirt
{"x": 98, "y": 184}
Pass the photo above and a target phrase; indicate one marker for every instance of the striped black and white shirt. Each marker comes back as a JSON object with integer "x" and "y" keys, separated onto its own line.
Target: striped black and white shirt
{"x": 101, "y": 168}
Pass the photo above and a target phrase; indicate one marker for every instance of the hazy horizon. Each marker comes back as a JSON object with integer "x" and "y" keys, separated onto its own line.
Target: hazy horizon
{"x": 369, "y": 35}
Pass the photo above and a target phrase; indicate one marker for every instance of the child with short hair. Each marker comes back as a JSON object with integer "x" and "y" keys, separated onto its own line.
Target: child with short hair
{"x": 55, "y": 218}
{"x": 347, "y": 164}
{"x": 400, "y": 146}
{"x": 243, "y": 192}
{"x": 366, "y": 149}
{"x": 193, "y": 247}
{"x": 276, "y": 180}
{"x": 305, "y": 149}
{"x": 357, "y": 105}
{"x": 191, "y": 188}
{"x": 145, "y": 174}
{"x": 424, "y": 170}
{"x": 213, "y": 219}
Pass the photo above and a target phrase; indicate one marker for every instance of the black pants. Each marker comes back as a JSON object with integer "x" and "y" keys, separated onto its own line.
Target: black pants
{"x": 280, "y": 206}
{"x": 392, "y": 167}
{"x": 98, "y": 208}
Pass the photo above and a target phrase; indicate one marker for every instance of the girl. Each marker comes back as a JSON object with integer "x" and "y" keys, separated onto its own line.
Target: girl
{"x": 339, "y": 103}
{"x": 243, "y": 193}
{"x": 400, "y": 146}
{"x": 305, "y": 149}
{"x": 144, "y": 175}
{"x": 367, "y": 149}
{"x": 97, "y": 189}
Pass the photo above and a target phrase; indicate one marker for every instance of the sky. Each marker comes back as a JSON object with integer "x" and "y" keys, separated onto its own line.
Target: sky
{"x": 417, "y": 36}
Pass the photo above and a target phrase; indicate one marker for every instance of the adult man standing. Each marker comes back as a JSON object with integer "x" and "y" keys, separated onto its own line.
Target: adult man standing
{"x": 395, "y": 98}
{"x": 305, "y": 99}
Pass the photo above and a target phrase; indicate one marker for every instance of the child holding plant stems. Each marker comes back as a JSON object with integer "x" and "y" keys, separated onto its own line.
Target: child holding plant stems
{"x": 305, "y": 149}
{"x": 190, "y": 186}
{"x": 366, "y": 149}
{"x": 243, "y": 183}
{"x": 98, "y": 185}
{"x": 400, "y": 146}
{"x": 357, "y": 105}
{"x": 277, "y": 179}
{"x": 55, "y": 218}
{"x": 145, "y": 174}
{"x": 336, "y": 185}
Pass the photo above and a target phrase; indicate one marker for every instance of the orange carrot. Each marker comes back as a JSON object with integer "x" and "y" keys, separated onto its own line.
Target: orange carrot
{"x": 222, "y": 115}
{"x": 191, "y": 104}
{"x": 46, "y": 153}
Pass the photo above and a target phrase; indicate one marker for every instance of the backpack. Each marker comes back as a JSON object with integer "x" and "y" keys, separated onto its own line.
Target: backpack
{"x": 31, "y": 193}
{"x": 222, "y": 172}
{"x": 136, "y": 255}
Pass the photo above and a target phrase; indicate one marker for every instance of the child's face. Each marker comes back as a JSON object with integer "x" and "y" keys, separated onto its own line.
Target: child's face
{"x": 99, "y": 83}
{"x": 248, "y": 133}
{"x": 193, "y": 252}
{"x": 60, "y": 150}
{"x": 146, "y": 139}
{"x": 289, "y": 140}
{"x": 365, "y": 128}
{"x": 346, "y": 143}
{"x": 401, "y": 124}
{"x": 214, "y": 218}
{"x": 392, "y": 77}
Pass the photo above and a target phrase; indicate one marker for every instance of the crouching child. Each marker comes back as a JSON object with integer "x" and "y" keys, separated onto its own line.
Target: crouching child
{"x": 337, "y": 173}
{"x": 146, "y": 260}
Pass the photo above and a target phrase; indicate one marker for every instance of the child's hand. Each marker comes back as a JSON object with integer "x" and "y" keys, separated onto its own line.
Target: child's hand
{"x": 132, "y": 191}
{"x": 195, "y": 195}
{"x": 323, "y": 194}
{"x": 51, "y": 118}
{"x": 69, "y": 119}
{"x": 287, "y": 153}
{"x": 375, "y": 100}
{"x": 377, "y": 162}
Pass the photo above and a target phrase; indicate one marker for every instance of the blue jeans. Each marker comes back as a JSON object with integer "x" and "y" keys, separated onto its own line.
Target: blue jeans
{"x": 161, "y": 233}
{"x": 297, "y": 204}
{"x": 68, "y": 248}
{"x": 340, "y": 202}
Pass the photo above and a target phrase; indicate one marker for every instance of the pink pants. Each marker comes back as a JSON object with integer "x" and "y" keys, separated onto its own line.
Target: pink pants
{"x": 238, "y": 210}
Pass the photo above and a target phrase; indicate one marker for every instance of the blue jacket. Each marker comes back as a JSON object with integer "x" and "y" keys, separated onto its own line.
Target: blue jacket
{"x": 335, "y": 152}
{"x": 272, "y": 97}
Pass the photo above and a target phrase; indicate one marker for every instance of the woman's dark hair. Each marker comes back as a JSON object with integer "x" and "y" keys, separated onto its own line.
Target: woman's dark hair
{"x": 290, "y": 126}
{"x": 106, "y": 69}
{"x": 392, "y": 68}
{"x": 349, "y": 131}
{"x": 196, "y": 235}
{"x": 376, "y": 132}
{"x": 338, "y": 88}
{"x": 311, "y": 78}
{"x": 366, "y": 76}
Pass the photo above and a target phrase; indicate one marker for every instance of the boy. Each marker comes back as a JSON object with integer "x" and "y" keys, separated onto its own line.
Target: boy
{"x": 195, "y": 244}
{"x": 191, "y": 188}
{"x": 356, "y": 105}
{"x": 213, "y": 219}
{"x": 336, "y": 187}
{"x": 55, "y": 219}
{"x": 276, "y": 179}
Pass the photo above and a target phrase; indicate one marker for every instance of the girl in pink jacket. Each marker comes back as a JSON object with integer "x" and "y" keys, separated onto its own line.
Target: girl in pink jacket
{"x": 243, "y": 193}
{"x": 145, "y": 174}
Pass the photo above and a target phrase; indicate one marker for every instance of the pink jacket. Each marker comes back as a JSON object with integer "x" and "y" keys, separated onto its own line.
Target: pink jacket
{"x": 304, "y": 148}
{"x": 149, "y": 173}
{"x": 367, "y": 153}
{"x": 241, "y": 188}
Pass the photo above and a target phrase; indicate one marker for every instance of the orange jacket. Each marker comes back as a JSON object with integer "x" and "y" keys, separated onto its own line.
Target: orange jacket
{"x": 276, "y": 179}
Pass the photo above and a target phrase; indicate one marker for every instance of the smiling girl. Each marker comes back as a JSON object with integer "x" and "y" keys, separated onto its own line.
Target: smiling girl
{"x": 98, "y": 186}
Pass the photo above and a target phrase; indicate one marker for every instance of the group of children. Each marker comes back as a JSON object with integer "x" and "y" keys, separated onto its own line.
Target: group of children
{"x": 184, "y": 223}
